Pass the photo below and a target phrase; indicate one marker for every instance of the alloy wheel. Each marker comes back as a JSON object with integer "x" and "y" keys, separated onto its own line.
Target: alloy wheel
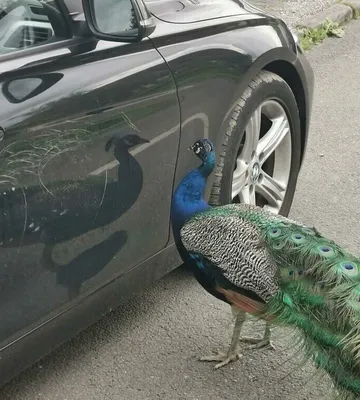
{"x": 263, "y": 164}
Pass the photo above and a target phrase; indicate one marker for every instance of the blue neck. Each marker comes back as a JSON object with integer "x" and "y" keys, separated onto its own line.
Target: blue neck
{"x": 188, "y": 197}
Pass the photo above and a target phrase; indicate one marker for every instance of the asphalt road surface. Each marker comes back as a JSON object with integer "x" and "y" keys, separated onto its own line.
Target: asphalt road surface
{"x": 148, "y": 348}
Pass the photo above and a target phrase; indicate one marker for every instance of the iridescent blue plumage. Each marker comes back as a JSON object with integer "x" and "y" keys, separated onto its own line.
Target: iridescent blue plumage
{"x": 187, "y": 201}
{"x": 188, "y": 197}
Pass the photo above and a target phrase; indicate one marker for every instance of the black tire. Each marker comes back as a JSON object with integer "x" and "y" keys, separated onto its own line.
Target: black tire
{"x": 265, "y": 86}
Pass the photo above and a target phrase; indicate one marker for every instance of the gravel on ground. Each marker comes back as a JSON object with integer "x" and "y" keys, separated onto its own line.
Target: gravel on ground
{"x": 292, "y": 11}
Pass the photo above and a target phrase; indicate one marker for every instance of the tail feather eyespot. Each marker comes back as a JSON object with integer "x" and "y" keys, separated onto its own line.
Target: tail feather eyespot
{"x": 325, "y": 251}
{"x": 298, "y": 238}
{"x": 274, "y": 232}
{"x": 347, "y": 268}
{"x": 279, "y": 245}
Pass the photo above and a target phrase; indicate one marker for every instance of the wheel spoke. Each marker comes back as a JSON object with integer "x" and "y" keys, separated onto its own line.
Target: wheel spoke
{"x": 247, "y": 195}
{"x": 272, "y": 139}
{"x": 252, "y": 135}
{"x": 239, "y": 178}
{"x": 272, "y": 190}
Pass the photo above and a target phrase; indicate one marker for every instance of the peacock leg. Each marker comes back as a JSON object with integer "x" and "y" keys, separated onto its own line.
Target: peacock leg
{"x": 232, "y": 353}
{"x": 260, "y": 342}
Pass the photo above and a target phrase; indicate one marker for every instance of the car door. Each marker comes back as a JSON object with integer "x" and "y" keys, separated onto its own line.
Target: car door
{"x": 89, "y": 133}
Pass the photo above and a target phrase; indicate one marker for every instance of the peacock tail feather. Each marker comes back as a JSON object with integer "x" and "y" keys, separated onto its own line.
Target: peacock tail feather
{"x": 305, "y": 280}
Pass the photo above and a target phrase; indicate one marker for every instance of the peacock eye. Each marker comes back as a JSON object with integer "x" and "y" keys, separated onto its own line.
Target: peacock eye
{"x": 349, "y": 268}
{"x": 326, "y": 251}
{"x": 279, "y": 245}
{"x": 274, "y": 232}
{"x": 298, "y": 238}
{"x": 346, "y": 268}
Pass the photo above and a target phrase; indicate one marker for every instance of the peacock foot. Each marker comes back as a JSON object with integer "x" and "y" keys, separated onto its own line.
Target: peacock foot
{"x": 223, "y": 358}
{"x": 258, "y": 343}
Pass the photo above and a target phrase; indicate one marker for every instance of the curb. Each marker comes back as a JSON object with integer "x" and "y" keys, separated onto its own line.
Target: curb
{"x": 340, "y": 13}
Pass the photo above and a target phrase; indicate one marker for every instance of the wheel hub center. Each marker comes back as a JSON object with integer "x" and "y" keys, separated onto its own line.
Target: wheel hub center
{"x": 255, "y": 172}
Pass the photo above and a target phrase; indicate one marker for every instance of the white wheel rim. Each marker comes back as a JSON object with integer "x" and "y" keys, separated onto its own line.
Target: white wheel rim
{"x": 267, "y": 142}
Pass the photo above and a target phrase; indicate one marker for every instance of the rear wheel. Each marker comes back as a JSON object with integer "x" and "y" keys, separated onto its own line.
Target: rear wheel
{"x": 260, "y": 158}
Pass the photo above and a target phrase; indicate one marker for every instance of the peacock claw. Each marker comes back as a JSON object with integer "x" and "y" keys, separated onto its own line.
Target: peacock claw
{"x": 258, "y": 343}
{"x": 224, "y": 358}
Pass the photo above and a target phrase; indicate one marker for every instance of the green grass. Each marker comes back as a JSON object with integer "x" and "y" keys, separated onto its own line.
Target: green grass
{"x": 315, "y": 36}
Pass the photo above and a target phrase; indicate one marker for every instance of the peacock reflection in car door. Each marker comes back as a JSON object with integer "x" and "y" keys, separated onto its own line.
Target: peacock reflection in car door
{"x": 36, "y": 209}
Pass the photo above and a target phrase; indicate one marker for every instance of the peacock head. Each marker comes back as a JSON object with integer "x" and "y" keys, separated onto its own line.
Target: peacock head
{"x": 125, "y": 142}
{"x": 203, "y": 149}
{"x": 131, "y": 141}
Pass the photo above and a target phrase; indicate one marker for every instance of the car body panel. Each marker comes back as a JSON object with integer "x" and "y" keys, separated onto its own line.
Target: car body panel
{"x": 72, "y": 190}
{"x": 188, "y": 11}
{"x": 80, "y": 99}
{"x": 50, "y": 334}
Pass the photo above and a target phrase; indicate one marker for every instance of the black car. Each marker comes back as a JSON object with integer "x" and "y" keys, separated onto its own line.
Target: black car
{"x": 99, "y": 103}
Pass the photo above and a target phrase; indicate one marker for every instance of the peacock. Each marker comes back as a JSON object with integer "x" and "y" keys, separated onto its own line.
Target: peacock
{"x": 274, "y": 268}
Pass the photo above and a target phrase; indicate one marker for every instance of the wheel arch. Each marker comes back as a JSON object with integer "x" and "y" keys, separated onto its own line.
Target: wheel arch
{"x": 280, "y": 61}
{"x": 284, "y": 63}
